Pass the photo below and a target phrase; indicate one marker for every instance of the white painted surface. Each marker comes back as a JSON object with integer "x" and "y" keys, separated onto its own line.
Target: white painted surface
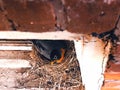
{"x": 62, "y": 35}
{"x": 14, "y": 63}
{"x": 28, "y": 48}
{"x": 92, "y": 58}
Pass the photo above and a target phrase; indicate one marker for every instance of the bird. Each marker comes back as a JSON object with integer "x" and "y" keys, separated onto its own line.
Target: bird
{"x": 58, "y": 61}
{"x": 51, "y": 50}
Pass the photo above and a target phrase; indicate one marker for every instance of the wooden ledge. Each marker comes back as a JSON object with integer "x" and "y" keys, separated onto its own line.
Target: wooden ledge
{"x": 58, "y": 35}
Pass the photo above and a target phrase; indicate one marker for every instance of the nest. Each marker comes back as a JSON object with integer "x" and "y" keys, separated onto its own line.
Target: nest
{"x": 44, "y": 75}
{"x": 41, "y": 74}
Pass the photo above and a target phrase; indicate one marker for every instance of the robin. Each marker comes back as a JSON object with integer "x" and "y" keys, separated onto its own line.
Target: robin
{"x": 61, "y": 57}
{"x": 52, "y": 50}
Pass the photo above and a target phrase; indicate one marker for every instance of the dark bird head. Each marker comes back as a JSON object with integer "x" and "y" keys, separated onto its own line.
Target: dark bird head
{"x": 55, "y": 54}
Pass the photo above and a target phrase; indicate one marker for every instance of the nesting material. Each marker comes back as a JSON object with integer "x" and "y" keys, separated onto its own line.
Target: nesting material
{"x": 26, "y": 70}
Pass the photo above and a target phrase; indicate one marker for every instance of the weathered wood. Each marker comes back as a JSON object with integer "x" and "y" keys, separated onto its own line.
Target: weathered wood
{"x": 59, "y": 35}
{"x": 92, "y": 54}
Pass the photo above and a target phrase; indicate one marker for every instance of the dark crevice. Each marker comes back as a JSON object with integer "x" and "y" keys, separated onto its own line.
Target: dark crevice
{"x": 13, "y": 26}
{"x": 117, "y": 22}
{"x": 57, "y": 28}
{"x": 111, "y": 34}
{"x": 60, "y": 14}
{"x": 105, "y": 36}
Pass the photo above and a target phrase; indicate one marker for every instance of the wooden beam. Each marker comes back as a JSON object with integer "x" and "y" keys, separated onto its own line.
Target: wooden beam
{"x": 58, "y": 35}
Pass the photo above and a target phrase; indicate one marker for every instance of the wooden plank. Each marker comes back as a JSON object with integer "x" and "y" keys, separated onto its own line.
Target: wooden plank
{"x": 59, "y": 35}
{"x": 14, "y": 63}
{"x": 111, "y": 85}
{"x": 112, "y": 76}
{"x": 109, "y": 88}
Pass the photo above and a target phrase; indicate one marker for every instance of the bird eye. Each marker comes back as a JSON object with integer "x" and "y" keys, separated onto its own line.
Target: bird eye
{"x": 55, "y": 54}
